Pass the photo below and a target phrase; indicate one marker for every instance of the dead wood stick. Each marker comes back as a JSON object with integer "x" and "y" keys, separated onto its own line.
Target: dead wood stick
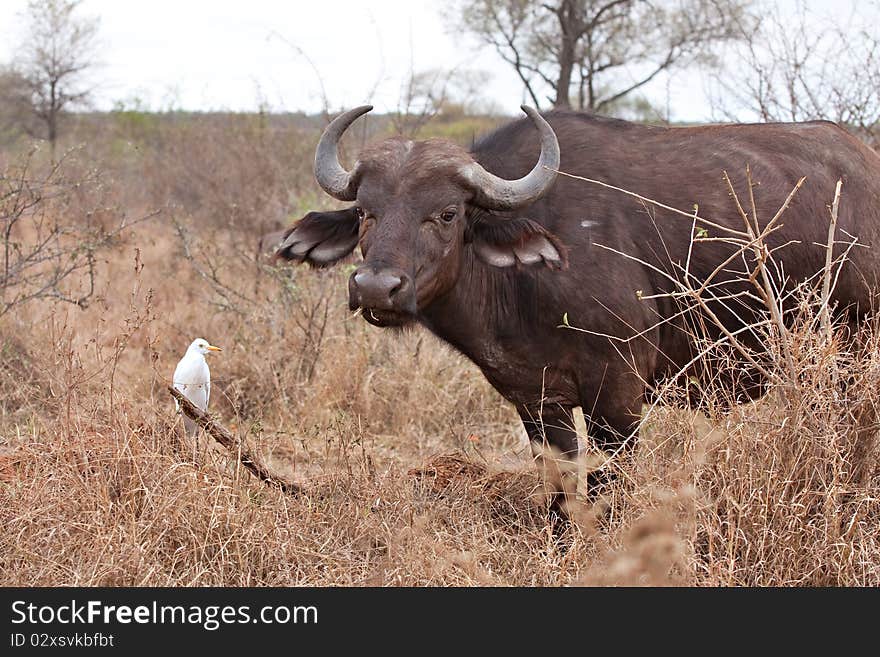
{"x": 223, "y": 436}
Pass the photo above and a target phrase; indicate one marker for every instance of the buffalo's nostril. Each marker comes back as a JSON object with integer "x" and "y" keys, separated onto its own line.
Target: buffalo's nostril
{"x": 389, "y": 283}
{"x": 394, "y": 290}
{"x": 381, "y": 290}
{"x": 361, "y": 278}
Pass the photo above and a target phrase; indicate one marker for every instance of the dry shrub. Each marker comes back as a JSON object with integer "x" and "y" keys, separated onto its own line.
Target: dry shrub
{"x": 779, "y": 492}
{"x": 794, "y": 478}
{"x": 53, "y": 231}
{"x": 96, "y": 487}
{"x": 96, "y": 490}
{"x": 240, "y": 172}
{"x": 127, "y": 510}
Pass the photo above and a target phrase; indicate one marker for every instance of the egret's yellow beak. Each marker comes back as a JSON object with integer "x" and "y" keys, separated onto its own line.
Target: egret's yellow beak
{"x": 213, "y": 348}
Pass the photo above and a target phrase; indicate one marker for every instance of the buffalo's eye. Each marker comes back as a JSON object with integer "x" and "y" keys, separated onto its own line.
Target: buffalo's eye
{"x": 360, "y": 213}
{"x": 448, "y": 215}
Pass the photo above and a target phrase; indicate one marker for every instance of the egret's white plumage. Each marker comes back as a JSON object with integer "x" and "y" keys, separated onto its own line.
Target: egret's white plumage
{"x": 192, "y": 378}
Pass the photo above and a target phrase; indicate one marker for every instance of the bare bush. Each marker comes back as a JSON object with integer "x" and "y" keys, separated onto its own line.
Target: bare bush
{"x": 48, "y": 239}
{"x": 799, "y": 65}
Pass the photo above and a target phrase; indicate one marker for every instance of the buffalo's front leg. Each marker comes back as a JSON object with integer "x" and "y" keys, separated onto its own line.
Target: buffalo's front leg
{"x": 615, "y": 434}
{"x": 555, "y": 447}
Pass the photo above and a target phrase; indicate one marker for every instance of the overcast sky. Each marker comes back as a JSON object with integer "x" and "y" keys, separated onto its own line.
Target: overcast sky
{"x": 235, "y": 54}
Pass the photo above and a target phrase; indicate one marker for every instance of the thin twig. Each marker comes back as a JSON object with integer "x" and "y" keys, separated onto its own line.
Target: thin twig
{"x": 829, "y": 257}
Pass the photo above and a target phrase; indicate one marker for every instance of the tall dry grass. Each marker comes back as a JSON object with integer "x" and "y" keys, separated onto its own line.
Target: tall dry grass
{"x": 415, "y": 471}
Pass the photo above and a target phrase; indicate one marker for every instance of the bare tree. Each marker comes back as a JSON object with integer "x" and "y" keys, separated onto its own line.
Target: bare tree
{"x": 14, "y": 110}
{"x": 57, "y": 49}
{"x": 800, "y": 65}
{"x": 594, "y": 53}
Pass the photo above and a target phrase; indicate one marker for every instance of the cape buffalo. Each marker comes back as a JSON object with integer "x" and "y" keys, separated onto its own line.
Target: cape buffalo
{"x": 490, "y": 251}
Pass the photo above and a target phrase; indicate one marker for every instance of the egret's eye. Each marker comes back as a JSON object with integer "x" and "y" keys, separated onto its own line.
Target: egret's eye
{"x": 448, "y": 215}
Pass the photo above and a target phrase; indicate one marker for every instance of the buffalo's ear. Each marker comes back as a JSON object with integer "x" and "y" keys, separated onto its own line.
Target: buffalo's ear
{"x": 508, "y": 242}
{"x": 321, "y": 238}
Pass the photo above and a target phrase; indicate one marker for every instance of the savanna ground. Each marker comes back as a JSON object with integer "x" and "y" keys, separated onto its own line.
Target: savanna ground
{"x": 415, "y": 471}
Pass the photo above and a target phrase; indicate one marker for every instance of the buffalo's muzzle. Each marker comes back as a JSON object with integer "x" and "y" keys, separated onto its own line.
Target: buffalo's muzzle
{"x": 387, "y": 290}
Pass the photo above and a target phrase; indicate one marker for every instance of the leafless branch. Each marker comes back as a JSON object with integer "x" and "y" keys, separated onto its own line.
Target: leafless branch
{"x": 223, "y": 436}
{"x": 42, "y": 249}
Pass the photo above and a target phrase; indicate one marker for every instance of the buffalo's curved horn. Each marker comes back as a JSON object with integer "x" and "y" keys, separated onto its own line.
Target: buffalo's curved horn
{"x": 494, "y": 193}
{"x": 330, "y": 174}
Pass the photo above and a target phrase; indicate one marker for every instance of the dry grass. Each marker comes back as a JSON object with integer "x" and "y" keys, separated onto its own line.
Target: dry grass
{"x": 415, "y": 471}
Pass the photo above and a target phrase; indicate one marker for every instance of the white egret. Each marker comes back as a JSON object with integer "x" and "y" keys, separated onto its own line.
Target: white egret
{"x": 193, "y": 378}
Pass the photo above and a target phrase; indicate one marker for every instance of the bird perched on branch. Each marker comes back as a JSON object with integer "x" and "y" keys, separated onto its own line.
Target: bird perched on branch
{"x": 193, "y": 378}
